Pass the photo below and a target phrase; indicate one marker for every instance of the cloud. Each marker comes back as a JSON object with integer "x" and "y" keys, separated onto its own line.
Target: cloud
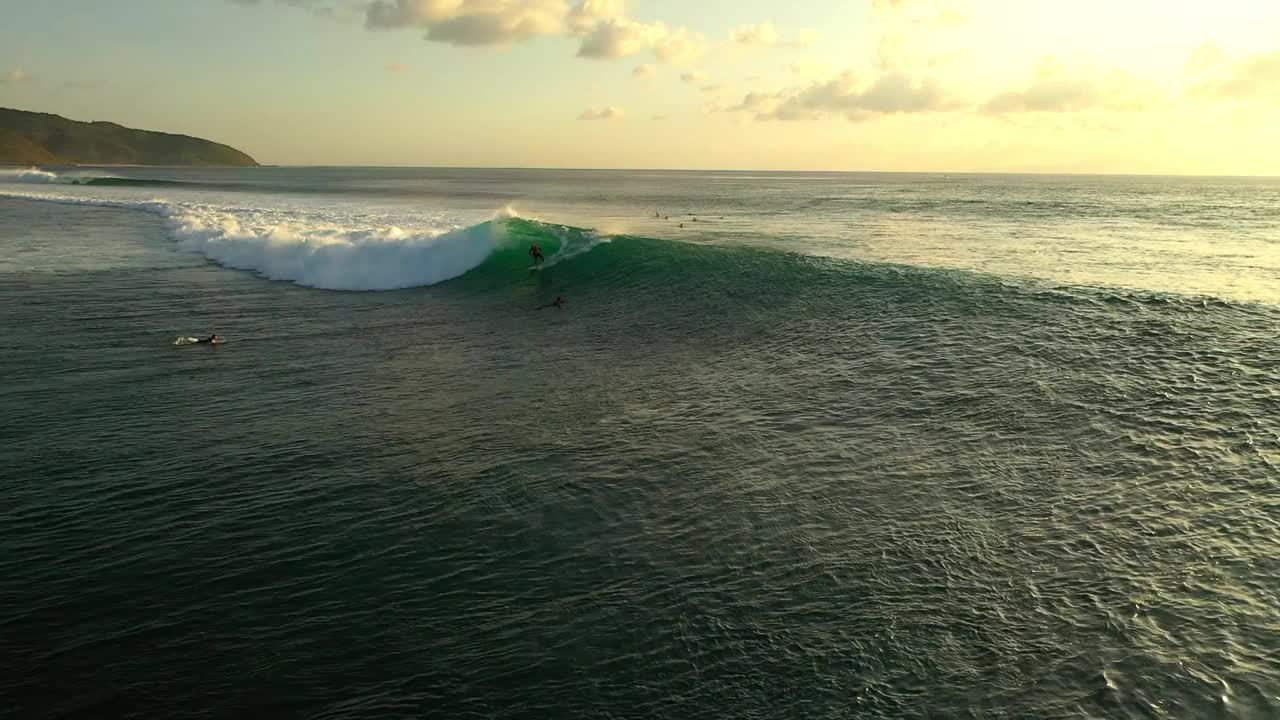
{"x": 679, "y": 46}
{"x": 765, "y": 35}
{"x": 16, "y": 75}
{"x": 469, "y": 22}
{"x": 644, "y": 72}
{"x": 848, "y": 96}
{"x": 602, "y": 28}
{"x": 711, "y": 88}
{"x": 1216, "y": 75}
{"x": 693, "y": 77}
{"x": 395, "y": 67}
{"x": 1053, "y": 90}
{"x": 760, "y": 35}
{"x": 619, "y": 37}
{"x": 587, "y": 13}
{"x": 605, "y": 113}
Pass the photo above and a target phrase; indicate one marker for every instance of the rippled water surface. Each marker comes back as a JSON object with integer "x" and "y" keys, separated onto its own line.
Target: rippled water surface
{"x": 870, "y": 446}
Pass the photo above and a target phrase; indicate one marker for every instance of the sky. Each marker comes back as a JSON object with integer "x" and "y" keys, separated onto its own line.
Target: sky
{"x": 1105, "y": 86}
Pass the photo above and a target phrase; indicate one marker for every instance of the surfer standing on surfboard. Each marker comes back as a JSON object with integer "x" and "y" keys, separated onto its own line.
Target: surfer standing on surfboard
{"x": 535, "y": 252}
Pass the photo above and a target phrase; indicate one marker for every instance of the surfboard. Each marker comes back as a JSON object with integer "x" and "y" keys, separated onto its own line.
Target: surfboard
{"x": 184, "y": 340}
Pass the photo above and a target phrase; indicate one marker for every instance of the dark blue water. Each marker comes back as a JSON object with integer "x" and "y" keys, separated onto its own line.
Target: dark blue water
{"x": 737, "y": 476}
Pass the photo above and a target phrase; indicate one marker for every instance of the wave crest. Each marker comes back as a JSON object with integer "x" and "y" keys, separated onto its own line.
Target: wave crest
{"x": 32, "y": 175}
{"x": 333, "y": 257}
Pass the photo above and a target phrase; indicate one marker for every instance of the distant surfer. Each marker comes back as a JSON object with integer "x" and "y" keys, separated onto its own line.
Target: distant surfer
{"x": 681, "y": 224}
{"x": 558, "y": 303}
{"x": 211, "y": 340}
{"x": 535, "y": 252}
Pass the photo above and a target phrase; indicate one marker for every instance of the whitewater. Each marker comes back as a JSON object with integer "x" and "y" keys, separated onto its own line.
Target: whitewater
{"x": 309, "y": 248}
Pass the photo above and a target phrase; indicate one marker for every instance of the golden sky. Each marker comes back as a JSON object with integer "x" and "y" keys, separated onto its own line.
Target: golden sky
{"x": 1141, "y": 86}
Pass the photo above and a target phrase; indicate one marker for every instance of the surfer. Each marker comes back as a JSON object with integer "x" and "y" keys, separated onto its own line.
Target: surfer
{"x": 558, "y": 303}
{"x": 211, "y": 340}
{"x": 535, "y": 252}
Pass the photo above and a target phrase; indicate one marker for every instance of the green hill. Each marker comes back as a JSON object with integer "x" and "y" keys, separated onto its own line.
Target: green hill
{"x": 16, "y": 148}
{"x": 28, "y": 138}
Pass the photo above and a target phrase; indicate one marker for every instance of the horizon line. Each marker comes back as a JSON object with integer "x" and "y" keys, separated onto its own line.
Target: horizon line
{"x": 1069, "y": 173}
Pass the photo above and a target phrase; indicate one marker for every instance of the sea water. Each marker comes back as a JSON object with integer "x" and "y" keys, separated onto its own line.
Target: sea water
{"x": 844, "y": 445}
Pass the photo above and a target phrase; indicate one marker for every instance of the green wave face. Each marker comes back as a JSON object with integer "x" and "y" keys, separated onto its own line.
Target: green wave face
{"x": 735, "y": 284}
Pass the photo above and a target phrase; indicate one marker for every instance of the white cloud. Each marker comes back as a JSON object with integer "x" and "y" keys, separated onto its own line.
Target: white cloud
{"x": 644, "y": 72}
{"x": 605, "y": 113}
{"x": 16, "y": 75}
{"x": 693, "y": 77}
{"x": 619, "y": 37}
{"x": 1217, "y": 75}
{"x": 762, "y": 34}
{"x": 470, "y": 22}
{"x": 679, "y": 46}
{"x": 1054, "y": 90}
{"x": 602, "y": 28}
{"x": 848, "y": 96}
{"x": 765, "y": 35}
{"x": 586, "y": 14}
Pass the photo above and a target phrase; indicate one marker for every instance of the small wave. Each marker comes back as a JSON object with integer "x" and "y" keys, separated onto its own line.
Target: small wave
{"x": 129, "y": 182}
{"x": 36, "y": 176}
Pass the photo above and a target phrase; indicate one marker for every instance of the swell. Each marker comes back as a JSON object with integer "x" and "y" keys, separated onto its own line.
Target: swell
{"x": 493, "y": 255}
{"x": 256, "y": 184}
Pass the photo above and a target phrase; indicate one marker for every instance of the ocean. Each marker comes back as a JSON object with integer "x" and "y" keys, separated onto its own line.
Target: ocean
{"x": 798, "y": 445}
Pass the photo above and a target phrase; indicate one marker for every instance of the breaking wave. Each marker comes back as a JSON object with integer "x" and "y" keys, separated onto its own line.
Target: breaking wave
{"x": 36, "y": 176}
{"x": 320, "y": 253}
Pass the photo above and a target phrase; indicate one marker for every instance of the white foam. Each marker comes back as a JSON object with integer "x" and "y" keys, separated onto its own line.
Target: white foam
{"x": 311, "y": 250}
{"x": 36, "y": 176}
{"x": 30, "y": 175}
{"x": 569, "y": 249}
